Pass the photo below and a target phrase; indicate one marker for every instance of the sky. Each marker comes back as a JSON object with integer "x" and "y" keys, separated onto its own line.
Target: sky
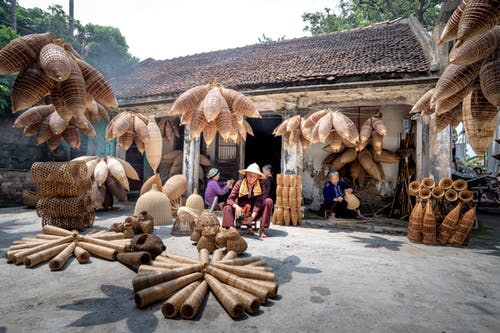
{"x": 164, "y": 29}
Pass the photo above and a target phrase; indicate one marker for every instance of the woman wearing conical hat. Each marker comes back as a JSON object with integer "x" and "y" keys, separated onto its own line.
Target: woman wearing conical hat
{"x": 247, "y": 203}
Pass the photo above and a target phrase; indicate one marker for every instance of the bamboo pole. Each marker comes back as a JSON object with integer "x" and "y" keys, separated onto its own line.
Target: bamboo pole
{"x": 148, "y": 280}
{"x": 171, "y": 306}
{"x": 109, "y": 236}
{"x": 225, "y": 297}
{"x": 81, "y": 255}
{"x": 238, "y": 282}
{"x": 150, "y": 295}
{"x": 168, "y": 265}
{"x": 134, "y": 258}
{"x": 192, "y": 304}
{"x": 18, "y": 257}
{"x": 149, "y": 268}
{"x": 240, "y": 261}
{"x": 105, "y": 243}
{"x": 246, "y": 272}
{"x": 29, "y": 240}
{"x": 23, "y": 246}
{"x": 182, "y": 259}
{"x": 58, "y": 261}
{"x": 49, "y": 237}
{"x": 98, "y": 250}
{"x": 204, "y": 257}
{"x": 258, "y": 263}
{"x": 249, "y": 301}
{"x": 44, "y": 255}
{"x": 230, "y": 255}
{"x": 272, "y": 287}
{"x": 217, "y": 255}
{"x": 52, "y": 230}
{"x": 170, "y": 261}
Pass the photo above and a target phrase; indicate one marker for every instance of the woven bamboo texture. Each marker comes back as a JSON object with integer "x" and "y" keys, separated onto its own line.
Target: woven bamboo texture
{"x": 287, "y": 209}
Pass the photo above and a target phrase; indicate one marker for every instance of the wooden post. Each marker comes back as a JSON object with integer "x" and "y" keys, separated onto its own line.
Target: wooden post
{"x": 191, "y": 160}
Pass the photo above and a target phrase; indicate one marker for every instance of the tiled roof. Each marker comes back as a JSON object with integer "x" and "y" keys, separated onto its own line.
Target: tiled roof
{"x": 382, "y": 51}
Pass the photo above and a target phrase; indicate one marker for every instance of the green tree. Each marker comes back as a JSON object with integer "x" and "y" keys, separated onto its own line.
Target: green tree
{"x": 6, "y": 35}
{"x": 359, "y": 13}
{"x": 267, "y": 39}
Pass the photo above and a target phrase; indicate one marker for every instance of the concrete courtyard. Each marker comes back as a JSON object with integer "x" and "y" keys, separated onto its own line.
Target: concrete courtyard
{"x": 331, "y": 280}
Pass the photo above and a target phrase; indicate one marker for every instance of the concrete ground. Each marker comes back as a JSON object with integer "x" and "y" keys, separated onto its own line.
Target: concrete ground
{"x": 331, "y": 280}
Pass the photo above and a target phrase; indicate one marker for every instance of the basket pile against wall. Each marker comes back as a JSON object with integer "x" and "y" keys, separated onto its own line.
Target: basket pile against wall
{"x": 64, "y": 194}
{"x": 288, "y": 200}
{"x": 444, "y": 212}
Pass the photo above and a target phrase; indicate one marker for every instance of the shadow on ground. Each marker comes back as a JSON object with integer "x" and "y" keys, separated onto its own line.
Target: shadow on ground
{"x": 286, "y": 267}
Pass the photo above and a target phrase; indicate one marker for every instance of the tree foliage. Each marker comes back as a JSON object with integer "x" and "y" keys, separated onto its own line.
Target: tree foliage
{"x": 267, "y": 39}
{"x": 359, "y": 13}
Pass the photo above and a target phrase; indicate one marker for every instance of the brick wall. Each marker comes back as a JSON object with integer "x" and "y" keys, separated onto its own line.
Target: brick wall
{"x": 12, "y": 184}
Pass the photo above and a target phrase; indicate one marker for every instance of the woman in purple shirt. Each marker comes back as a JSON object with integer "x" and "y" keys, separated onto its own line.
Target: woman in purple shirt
{"x": 216, "y": 189}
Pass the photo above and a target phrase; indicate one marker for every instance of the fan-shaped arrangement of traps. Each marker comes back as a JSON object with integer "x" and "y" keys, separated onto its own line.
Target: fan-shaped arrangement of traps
{"x": 60, "y": 90}
{"x": 444, "y": 212}
{"x": 56, "y": 245}
{"x": 109, "y": 177}
{"x": 240, "y": 284}
{"x": 210, "y": 109}
{"x": 468, "y": 91}
{"x": 171, "y": 164}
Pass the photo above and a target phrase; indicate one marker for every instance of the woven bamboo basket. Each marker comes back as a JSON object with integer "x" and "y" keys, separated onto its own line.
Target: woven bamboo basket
{"x": 188, "y": 100}
{"x": 223, "y": 123}
{"x": 423, "y": 105}
{"x": 195, "y": 202}
{"x": 445, "y": 119}
{"x": 208, "y": 219}
{"x": 33, "y": 115}
{"x": 415, "y": 224}
{"x": 65, "y": 190}
{"x": 429, "y": 225}
{"x": 490, "y": 78}
{"x": 175, "y": 186}
{"x": 234, "y": 242}
{"x": 466, "y": 196}
{"x": 81, "y": 222}
{"x": 63, "y": 207}
{"x": 414, "y": 188}
{"x": 30, "y": 86}
{"x": 445, "y": 183}
{"x": 116, "y": 169}
{"x": 72, "y": 137}
{"x": 116, "y": 189}
{"x": 207, "y": 241}
{"x": 451, "y": 195}
{"x": 148, "y": 184}
{"x": 369, "y": 165}
{"x": 23, "y": 51}
{"x": 240, "y": 103}
{"x": 477, "y": 18}
{"x": 428, "y": 182}
{"x": 449, "y": 224}
{"x": 213, "y": 103}
{"x": 454, "y": 79}
{"x": 210, "y": 133}
{"x": 156, "y": 204}
{"x": 449, "y": 103}
{"x": 155, "y": 145}
{"x": 479, "y": 118}
{"x": 30, "y": 198}
{"x": 55, "y": 63}
{"x": 424, "y": 193}
{"x": 345, "y": 127}
{"x": 464, "y": 227}
{"x": 58, "y": 171}
{"x": 475, "y": 49}
{"x": 450, "y": 30}
{"x": 97, "y": 86}
{"x": 73, "y": 91}
{"x": 437, "y": 193}
{"x": 459, "y": 185}
{"x": 56, "y": 123}
{"x": 199, "y": 122}
{"x": 278, "y": 212}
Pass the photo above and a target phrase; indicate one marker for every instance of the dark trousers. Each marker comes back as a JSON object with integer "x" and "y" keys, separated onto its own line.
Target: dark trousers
{"x": 339, "y": 208}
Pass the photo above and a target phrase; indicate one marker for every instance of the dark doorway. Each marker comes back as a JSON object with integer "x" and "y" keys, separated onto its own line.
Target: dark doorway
{"x": 264, "y": 148}
{"x": 134, "y": 157}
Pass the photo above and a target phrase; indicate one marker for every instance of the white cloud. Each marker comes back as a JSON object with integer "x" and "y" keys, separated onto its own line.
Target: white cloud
{"x": 172, "y": 28}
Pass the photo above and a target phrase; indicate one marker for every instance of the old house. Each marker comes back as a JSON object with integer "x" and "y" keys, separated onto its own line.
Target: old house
{"x": 383, "y": 69}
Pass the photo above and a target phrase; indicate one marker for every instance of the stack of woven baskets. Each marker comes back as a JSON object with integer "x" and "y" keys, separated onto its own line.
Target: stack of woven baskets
{"x": 288, "y": 200}
{"x": 64, "y": 192}
{"x": 444, "y": 212}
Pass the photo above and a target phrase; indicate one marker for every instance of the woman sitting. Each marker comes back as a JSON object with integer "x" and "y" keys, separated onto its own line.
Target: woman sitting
{"x": 335, "y": 205}
{"x": 216, "y": 189}
{"x": 248, "y": 192}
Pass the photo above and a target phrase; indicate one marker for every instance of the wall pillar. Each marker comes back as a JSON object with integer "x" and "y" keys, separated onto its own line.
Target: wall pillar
{"x": 191, "y": 160}
{"x": 433, "y": 150}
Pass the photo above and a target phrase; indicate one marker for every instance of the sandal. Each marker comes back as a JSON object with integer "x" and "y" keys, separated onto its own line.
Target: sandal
{"x": 262, "y": 234}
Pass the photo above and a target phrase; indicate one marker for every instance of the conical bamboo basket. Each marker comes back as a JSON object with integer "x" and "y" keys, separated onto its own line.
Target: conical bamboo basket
{"x": 188, "y": 100}
{"x": 451, "y": 195}
{"x": 429, "y": 225}
{"x": 416, "y": 223}
{"x": 477, "y": 18}
{"x": 459, "y": 185}
{"x": 450, "y": 30}
{"x": 30, "y": 86}
{"x": 464, "y": 227}
{"x": 156, "y": 204}
{"x": 55, "y": 62}
{"x": 449, "y": 224}
{"x": 490, "y": 78}
{"x": 73, "y": 91}
{"x": 97, "y": 86}
{"x": 171, "y": 306}
{"x": 454, "y": 79}
{"x": 475, "y": 49}
{"x": 154, "y": 146}
{"x": 445, "y": 183}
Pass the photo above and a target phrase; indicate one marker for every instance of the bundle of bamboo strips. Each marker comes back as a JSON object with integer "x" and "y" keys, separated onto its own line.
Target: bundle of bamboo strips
{"x": 57, "y": 245}
{"x": 240, "y": 284}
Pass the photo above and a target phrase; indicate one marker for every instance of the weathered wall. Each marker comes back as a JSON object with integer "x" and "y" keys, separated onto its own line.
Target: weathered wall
{"x": 12, "y": 184}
